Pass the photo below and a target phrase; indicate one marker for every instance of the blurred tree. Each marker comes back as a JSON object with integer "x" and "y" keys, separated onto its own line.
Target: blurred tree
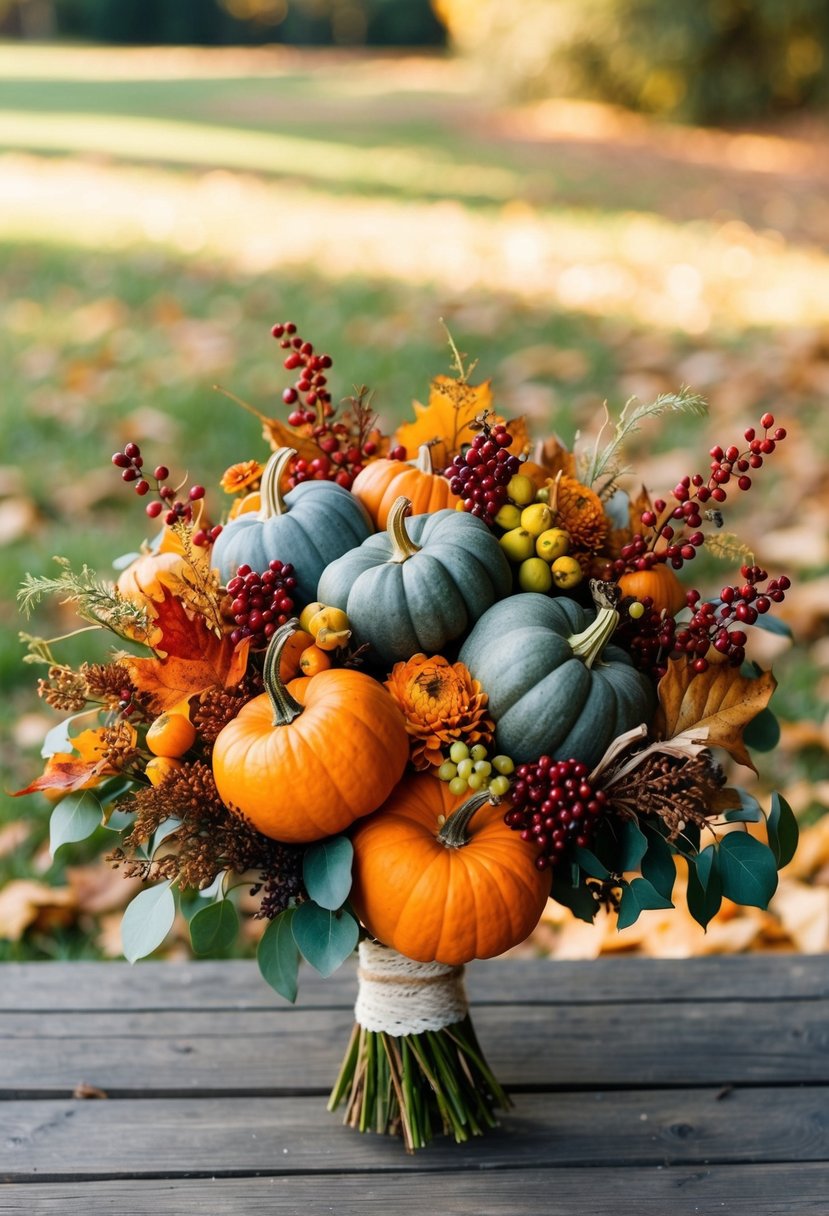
{"x": 698, "y": 60}
{"x": 299, "y": 22}
{"x": 27, "y": 19}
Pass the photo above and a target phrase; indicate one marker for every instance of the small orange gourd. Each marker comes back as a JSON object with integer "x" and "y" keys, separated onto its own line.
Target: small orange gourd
{"x": 382, "y": 481}
{"x": 171, "y": 734}
{"x": 660, "y": 583}
{"x": 443, "y": 882}
{"x": 302, "y": 772}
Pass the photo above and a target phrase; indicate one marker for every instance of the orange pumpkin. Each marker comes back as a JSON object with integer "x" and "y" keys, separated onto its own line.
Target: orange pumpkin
{"x": 302, "y": 772}
{"x": 382, "y": 481}
{"x": 660, "y": 583}
{"x": 444, "y": 889}
{"x": 171, "y": 735}
{"x": 145, "y": 579}
{"x": 290, "y": 664}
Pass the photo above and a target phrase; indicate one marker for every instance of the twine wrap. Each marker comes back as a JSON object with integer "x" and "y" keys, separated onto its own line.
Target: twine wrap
{"x": 399, "y": 996}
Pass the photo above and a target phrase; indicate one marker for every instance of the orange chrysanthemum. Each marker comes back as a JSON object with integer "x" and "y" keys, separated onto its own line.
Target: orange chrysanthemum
{"x": 579, "y": 511}
{"x": 441, "y": 703}
{"x": 239, "y": 476}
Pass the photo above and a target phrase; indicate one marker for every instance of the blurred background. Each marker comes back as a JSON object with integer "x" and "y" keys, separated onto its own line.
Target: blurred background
{"x": 601, "y": 198}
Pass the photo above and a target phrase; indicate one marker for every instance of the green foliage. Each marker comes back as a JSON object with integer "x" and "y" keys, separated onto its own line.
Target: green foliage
{"x": 213, "y": 929}
{"x": 325, "y": 938}
{"x": 74, "y": 818}
{"x": 278, "y": 956}
{"x": 703, "y": 61}
{"x": 326, "y": 871}
{"x": 147, "y": 920}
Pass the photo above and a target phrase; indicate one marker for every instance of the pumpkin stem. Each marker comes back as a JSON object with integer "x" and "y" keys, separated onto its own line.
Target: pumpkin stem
{"x": 403, "y": 547}
{"x": 453, "y": 833}
{"x": 423, "y": 464}
{"x": 270, "y": 495}
{"x": 589, "y": 644}
{"x": 285, "y": 707}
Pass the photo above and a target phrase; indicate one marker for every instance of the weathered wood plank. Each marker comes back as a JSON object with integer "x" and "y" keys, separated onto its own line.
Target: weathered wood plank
{"x": 237, "y": 985}
{"x": 267, "y": 1052}
{"x": 60, "y": 1140}
{"x": 756, "y": 1190}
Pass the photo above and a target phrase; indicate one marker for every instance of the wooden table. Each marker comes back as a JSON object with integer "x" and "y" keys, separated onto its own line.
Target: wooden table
{"x": 653, "y": 1088}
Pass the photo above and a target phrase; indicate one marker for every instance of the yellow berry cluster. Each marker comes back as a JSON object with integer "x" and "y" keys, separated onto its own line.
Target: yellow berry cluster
{"x": 532, "y": 543}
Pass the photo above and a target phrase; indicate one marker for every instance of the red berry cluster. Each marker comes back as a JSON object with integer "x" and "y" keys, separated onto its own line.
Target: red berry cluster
{"x": 554, "y": 806}
{"x": 344, "y": 445}
{"x": 655, "y": 637}
{"x": 131, "y": 462}
{"x": 708, "y": 626}
{"x": 480, "y": 474}
{"x": 679, "y": 530}
{"x": 261, "y": 602}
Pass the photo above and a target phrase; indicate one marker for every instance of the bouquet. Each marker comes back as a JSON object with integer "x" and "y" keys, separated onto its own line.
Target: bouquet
{"x": 402, "y": 690}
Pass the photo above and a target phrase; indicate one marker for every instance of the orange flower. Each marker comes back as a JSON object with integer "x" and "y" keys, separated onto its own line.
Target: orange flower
{"x": 578, "y": 510}
{"x": 239, "y": 476}
{"x": 441, "y": 703}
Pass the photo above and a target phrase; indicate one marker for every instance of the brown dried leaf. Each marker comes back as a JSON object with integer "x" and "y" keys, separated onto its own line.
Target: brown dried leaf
{"x": 24, "y": 902}
{"x": 64, "y": 773}
{"x": 718, "y": 703}
{"x": 280, "y": 436}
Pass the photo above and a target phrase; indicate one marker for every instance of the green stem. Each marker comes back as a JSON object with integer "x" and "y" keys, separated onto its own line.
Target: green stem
{"x": 285, "y": 707}
{"x": 271, "y": 502}
{"x": 589, "y": 644}
{"x": 453, "y": 834}
{"x": 403, "y": 547}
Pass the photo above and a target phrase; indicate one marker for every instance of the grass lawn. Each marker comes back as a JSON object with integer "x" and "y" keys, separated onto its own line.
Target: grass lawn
{"x": 159, "y": 211}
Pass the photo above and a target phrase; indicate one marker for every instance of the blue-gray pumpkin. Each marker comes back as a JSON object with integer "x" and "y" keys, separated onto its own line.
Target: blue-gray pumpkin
{"x": 312, "y": 525}
{"x": 418, "y": 585}
{"x": 555, "y": 686}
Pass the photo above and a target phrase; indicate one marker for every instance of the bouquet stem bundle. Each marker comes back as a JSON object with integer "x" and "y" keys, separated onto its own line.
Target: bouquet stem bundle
{"x": 413, "y": 1066}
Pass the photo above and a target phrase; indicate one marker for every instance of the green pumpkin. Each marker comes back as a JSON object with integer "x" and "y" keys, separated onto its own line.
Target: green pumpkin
{"x": 555, "y": 687}
{"x": 419, "y": 584}
{"x": 312, "y": 525}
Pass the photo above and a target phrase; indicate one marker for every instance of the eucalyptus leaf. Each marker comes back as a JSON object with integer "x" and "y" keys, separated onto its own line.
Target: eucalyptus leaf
{"x": 577, "y": 898}
{"x": 165, "y": 829}
{"x": 749, "y": 810}
{"x": 58, "y": 739}
{"x": 590, "y": 863}
{"x": 637, "y": 896}
{"x": 325, "y": 938}
{"x": 704, "y": 894}
{"x": 658, "y": 864}
{"x": 278, "y": 956}
{"x": 634, "y": 845}
{"x": 215, "y": 927}
{"x": 763, "y": 732}
{"x": 74, "y": 818}
{"x": 748, "y": 869}
{"x": 147, "y": 920}
{"x": 326, "y": 871}
{"x": 773, "y": 624}
{"x": 783, "y": 830}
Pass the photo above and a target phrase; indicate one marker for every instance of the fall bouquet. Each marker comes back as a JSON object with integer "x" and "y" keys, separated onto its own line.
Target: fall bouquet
{"x": 410, "y": 688}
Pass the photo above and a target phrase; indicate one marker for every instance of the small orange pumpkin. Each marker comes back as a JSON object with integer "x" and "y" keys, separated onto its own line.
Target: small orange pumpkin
{"x": 382, "y": 481}
{"x": 302, "y": 772}
{"x": 441, "y": 882}
{"x": 171, "y": 735}
{"x": 660, "y": 583}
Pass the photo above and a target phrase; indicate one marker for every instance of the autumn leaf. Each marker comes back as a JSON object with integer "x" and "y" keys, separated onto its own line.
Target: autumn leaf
{"x": 717, "y": 704}
{"x": 191, "y": 658}
{"x": 444, "y": 422}
{"x": 64, "y": 773}
{"x": 280, "y": 436}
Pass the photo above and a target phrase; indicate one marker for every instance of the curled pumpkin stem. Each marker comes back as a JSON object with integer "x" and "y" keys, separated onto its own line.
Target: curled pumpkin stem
{"x": 403, "y": 547}
{"x": 285, "y": 707}
{"x": 272, "y": 502}
{"x": 453, "y": 834}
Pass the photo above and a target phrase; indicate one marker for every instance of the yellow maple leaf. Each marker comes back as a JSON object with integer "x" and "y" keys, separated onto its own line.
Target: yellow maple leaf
{"x": 444, "y": 422}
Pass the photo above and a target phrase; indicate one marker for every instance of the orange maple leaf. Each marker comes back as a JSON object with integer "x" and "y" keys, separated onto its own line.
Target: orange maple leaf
{"x": 444, "y": 422}
{"x": 190, "y": 658}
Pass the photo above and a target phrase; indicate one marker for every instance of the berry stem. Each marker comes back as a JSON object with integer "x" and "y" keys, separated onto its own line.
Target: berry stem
{"x": 403, "y": 547}
{"x": 285, "y": 707}
{"x": 453, "y": 834}
{"x": 271, "y": 501}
